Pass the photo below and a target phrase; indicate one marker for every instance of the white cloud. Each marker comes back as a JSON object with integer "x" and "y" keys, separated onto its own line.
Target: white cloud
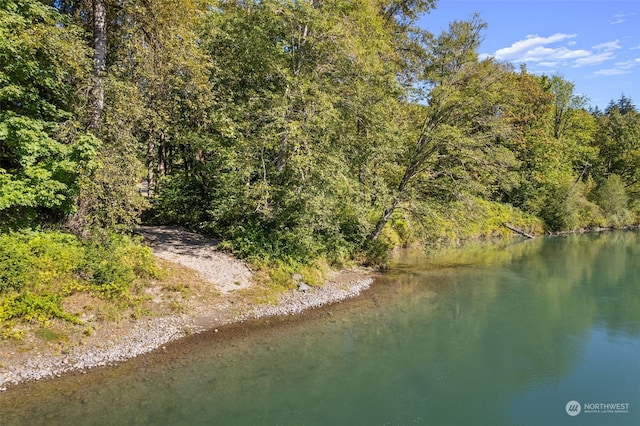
{"x": 621, "y": 17}
{"x": 557, "y": 50}
{"x": 608, "y": 46}
{"x": 546, "y": 54}
{"x": 530, "y": 42}
{"x": 619, "y": 68}
{"x": 593, "y": 59}
{"x": 612, "y": 71}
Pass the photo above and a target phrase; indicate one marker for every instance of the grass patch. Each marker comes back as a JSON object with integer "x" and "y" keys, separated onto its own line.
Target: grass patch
{"x": 277, "y": 277}
{"x": 262, "y": 294}
{"x": 50, "y": 335}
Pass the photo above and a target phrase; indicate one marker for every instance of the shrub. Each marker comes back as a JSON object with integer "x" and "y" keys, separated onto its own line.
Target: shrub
{"x": 112, "y": 263}
{"x": 39, "y": 269}
{"x": 37, "y": 259}
{"x": 33, "y": 307}
{"x": 567, "y": 208}
{"x": 612, "y": 198}
{"x": 472, "y": 218}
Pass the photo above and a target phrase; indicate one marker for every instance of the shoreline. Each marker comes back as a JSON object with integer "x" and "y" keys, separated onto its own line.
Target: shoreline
{"x": 118, "y": 341}
{"x": 133, "y": 338}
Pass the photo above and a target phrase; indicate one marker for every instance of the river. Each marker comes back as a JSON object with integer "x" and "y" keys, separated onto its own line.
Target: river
{"x": 536, "y": 332}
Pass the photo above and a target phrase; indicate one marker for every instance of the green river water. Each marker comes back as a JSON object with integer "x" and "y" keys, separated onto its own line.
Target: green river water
{"x": 494, "y": 334}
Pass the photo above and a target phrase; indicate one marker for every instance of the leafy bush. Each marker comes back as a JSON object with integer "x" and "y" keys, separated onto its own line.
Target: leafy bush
{"x": 567, "y": 208}
{"x": 34, "y": 307}
{"x": 114, "y": 262}
{"x": 108, "y": 196}
{"x": 472, "y": 218}
{"x": 613, "y": 199}
{"x": 39, "y": 269}
{"x": 37, "y": 259}
{"x": 377, "y": 252}
{"x": 43, "y": 56}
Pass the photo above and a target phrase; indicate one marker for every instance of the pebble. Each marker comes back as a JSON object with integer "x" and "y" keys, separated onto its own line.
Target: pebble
{"x": 149, "y": 335}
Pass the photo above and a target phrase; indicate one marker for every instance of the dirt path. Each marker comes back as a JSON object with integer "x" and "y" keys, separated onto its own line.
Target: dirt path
{"x": 205, "y": 288}
{"x": 199, "y": 253}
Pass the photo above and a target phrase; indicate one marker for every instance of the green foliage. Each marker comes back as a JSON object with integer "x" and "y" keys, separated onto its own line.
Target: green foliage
{"x": 376, "y": 252}
{"x": 157, "y": 91}
{"x": 278, "y": 275}
{"x": 618, "y": 139}
{"x": 293, "y": 131}
{"x": 566, "y": 207}
{"x": 612, "y": 198}
{"x": 472, "y": 218}
{"x": 553, "y": 139}
{"x": 108, "y": 194}
{"x": 30, "y": 306}
{"x": 38, "y": 174}
{"x": 317, "y": 144}
{"x": 9, "y": 332}
{"x": 41, "y": 52}
{"x": 281, "y": 276}
{"x": 177, "y": 191}
{"x": 114, "y": 262}
{"x": 39, "y": 269}
{"x": 35, "y": 260}
{"x": 44, "y": 152}
{"x": 302, "y": 133}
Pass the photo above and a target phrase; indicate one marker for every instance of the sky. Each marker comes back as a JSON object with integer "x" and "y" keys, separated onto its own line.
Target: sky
{"x": 595, "y": 44}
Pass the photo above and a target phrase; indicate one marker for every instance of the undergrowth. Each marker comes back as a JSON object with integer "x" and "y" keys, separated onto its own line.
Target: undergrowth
{"x": 40, "y": 269}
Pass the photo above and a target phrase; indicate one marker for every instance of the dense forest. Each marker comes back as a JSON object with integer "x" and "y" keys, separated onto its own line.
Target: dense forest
{"x": 291, "y": 130}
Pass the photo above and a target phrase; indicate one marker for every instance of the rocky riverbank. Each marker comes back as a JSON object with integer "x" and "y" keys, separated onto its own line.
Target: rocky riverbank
{"x": 218, "y": 296}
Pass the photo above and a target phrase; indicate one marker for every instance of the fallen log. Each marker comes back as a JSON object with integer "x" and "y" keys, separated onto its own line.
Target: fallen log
{"x": 519, "y": 231}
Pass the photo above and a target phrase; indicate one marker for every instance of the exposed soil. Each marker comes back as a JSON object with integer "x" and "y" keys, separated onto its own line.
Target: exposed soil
{"x": 203, "y": 288}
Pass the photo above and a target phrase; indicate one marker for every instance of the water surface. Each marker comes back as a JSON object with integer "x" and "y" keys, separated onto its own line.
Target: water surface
{"x": 495, "y": 334}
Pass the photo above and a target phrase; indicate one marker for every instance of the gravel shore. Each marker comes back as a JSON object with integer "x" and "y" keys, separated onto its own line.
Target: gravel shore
{"x": 131, "y": 338}
{"x": 145, "y": 335}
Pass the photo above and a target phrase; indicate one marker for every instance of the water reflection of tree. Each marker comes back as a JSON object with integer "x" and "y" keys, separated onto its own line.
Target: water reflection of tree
{"x": 448, "y": 340}
{"x": 530, "y": 312}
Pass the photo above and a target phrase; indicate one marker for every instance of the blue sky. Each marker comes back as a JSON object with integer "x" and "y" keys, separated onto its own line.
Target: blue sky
{"x": 593, "y": 43}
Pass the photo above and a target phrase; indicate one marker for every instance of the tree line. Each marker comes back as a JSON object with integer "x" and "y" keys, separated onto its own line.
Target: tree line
{"x": 295, "y": 130}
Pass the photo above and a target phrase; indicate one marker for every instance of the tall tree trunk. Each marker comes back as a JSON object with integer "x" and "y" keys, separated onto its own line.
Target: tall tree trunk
{"x": 388, "y": 212}
{"x": 99, "y": 62}
{"x": 424, "y": 148}
{"x": 77, "y": 222}
{"x": 151, "y": 155}
{"x": 384, "y": 218}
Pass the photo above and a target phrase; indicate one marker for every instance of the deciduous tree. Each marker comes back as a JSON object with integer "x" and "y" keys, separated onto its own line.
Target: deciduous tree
{"x": 43, "y": 150}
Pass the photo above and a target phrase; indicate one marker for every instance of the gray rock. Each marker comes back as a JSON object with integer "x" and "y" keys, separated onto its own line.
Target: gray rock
{"x": 146, "y": 336}
{"x": 303, "y": 287}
